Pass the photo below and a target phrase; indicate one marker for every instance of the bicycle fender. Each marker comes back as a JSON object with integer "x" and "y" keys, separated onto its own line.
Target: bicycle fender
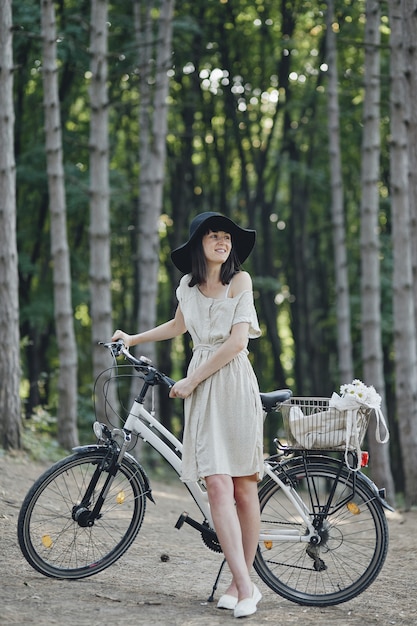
{"x": 129, "y": 457}
{"x": 380, "y": 493}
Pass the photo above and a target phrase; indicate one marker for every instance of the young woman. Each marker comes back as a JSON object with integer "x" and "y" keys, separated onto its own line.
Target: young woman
{"x": 223, "y": 424}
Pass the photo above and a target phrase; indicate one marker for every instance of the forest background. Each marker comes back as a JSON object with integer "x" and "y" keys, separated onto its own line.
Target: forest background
{"x": 120, "y": 121}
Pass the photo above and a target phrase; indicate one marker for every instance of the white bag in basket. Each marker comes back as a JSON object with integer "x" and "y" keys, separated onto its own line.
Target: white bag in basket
{"x": 324, "y": 429}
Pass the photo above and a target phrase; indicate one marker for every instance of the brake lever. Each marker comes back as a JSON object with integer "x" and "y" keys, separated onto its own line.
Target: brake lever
{"x": 115, "y": 347}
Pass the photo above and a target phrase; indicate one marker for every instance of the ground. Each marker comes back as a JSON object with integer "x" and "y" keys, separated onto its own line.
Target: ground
{"x": 143, "y": 588}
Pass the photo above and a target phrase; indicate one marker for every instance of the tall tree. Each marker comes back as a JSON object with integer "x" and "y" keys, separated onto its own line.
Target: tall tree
{"x": 372, "y": 353}
{"x": 63, "y": 312}
{"x": 410, "y": 41}
{"x": 155, "y": 59}
{"x": 100, "y": 271}
{"x": 9, "y": 283}
{"x": 344, "y": 343}
{"x": 405, "y": 346}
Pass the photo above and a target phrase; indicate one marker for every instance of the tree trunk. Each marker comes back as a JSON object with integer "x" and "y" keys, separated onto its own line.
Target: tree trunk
{"x": 372, "y": 353}
{"x": 338, "y": 219}
{"x": 152, "y": 151}
{"x": 64, "y": 327}
{"x": 100, "y": 270}
{"x": 403, "y": 306}
{"x": 410, "y": 39}
{"x": 9, "y": 279}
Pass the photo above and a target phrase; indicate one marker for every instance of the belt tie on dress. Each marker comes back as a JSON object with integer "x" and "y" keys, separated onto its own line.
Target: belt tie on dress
{"x": 210, "y": 347}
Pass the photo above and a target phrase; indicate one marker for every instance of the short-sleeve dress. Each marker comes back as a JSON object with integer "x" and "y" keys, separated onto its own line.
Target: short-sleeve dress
{"x": 223, "y": 417}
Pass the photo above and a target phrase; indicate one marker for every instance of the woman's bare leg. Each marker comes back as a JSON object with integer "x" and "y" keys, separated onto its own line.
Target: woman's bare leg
{"x": 248, "y": 510}
{"x": 234, "y": 506}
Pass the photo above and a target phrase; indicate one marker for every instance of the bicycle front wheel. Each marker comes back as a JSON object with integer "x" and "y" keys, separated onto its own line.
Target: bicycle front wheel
{"x": 353, "y": 535}
{"x": 57, "y": 545}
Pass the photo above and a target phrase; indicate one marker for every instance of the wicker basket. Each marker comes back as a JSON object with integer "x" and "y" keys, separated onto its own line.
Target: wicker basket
{"x": 310, "y": 424}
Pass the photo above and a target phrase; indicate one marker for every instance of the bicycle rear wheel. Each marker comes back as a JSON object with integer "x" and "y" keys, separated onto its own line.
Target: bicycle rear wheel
{"x": 54, "y": 543}
{"x": 354, "y": 535}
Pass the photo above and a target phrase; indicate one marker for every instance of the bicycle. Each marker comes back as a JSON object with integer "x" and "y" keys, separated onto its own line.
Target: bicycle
{"x": 324, "y": 534}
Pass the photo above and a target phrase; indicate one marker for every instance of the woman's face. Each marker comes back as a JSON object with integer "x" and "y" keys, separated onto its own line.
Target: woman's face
{"x": 217, "y": 246}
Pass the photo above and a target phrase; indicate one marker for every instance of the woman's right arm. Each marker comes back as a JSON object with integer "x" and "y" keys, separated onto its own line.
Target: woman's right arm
{"x": 168, "y": 330}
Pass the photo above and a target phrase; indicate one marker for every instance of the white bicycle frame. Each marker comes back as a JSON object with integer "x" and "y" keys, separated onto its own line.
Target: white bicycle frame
{"x": 143, "y": 424}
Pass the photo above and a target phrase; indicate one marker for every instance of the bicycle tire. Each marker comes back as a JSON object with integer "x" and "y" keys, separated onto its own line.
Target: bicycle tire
{"x": 354, "y": 537}
{"x": 57, "y": 546}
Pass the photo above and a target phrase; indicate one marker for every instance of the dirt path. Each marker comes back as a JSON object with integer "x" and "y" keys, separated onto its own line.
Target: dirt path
{"x": 146, "y": 590}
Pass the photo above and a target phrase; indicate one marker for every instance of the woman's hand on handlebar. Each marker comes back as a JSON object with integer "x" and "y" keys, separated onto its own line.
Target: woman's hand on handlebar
{"x": 119, "y": 334}
{"x": 182, "y": 389}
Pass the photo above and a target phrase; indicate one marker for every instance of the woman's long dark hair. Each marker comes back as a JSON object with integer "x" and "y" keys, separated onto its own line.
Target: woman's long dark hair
{"x": 199, "y": 265}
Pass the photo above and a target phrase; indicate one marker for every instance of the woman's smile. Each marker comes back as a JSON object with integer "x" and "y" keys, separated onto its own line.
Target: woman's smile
{"x": 218, "y": 244}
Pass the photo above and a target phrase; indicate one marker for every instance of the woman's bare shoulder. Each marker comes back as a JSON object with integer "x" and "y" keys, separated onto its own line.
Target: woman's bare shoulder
{"x": 241, "y": 281}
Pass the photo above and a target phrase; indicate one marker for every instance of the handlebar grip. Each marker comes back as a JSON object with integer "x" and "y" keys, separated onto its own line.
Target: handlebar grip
{"x": 169, "y": 381}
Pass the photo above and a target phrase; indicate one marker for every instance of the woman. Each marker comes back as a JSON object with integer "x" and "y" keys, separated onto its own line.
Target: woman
{"x": 222, "y": 441}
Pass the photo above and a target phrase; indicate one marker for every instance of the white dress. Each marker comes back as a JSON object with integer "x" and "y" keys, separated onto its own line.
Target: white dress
{"x": 223, "y": 417}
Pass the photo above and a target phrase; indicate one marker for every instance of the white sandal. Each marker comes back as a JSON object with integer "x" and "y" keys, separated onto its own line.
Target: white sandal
{"x": 248, "y": 605}
{"x": 227, "y": 602}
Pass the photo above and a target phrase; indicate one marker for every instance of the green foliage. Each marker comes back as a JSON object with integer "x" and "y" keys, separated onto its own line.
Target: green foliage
{"x": 39, "y": 437}
{"x": 247, "y": 136}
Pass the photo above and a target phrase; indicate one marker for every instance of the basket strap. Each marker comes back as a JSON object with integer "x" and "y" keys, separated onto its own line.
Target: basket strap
{"x": 352, "y": 433}
{"x": 380, "y": 421}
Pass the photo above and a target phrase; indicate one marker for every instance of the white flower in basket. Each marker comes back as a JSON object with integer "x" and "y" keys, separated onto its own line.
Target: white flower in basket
{"x": 361, "y": 394}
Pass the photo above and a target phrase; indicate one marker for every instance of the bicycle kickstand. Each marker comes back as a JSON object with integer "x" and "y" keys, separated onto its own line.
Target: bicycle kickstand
{"x": 211, "y": 597}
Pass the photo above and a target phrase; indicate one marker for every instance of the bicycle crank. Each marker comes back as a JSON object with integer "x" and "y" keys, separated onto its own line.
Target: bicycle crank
{"x": 207, "y": 533}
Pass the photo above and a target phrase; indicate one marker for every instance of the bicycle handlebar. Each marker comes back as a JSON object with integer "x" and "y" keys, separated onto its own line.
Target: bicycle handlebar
{"x": 143, "y": 364}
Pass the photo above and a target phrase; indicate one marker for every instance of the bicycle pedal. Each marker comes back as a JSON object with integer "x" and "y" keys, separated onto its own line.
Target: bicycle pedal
{"x": 181, "y": 520}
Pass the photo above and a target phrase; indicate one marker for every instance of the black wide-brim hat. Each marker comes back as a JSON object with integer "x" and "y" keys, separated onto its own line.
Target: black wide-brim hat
{"x": 243, "y": 239}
